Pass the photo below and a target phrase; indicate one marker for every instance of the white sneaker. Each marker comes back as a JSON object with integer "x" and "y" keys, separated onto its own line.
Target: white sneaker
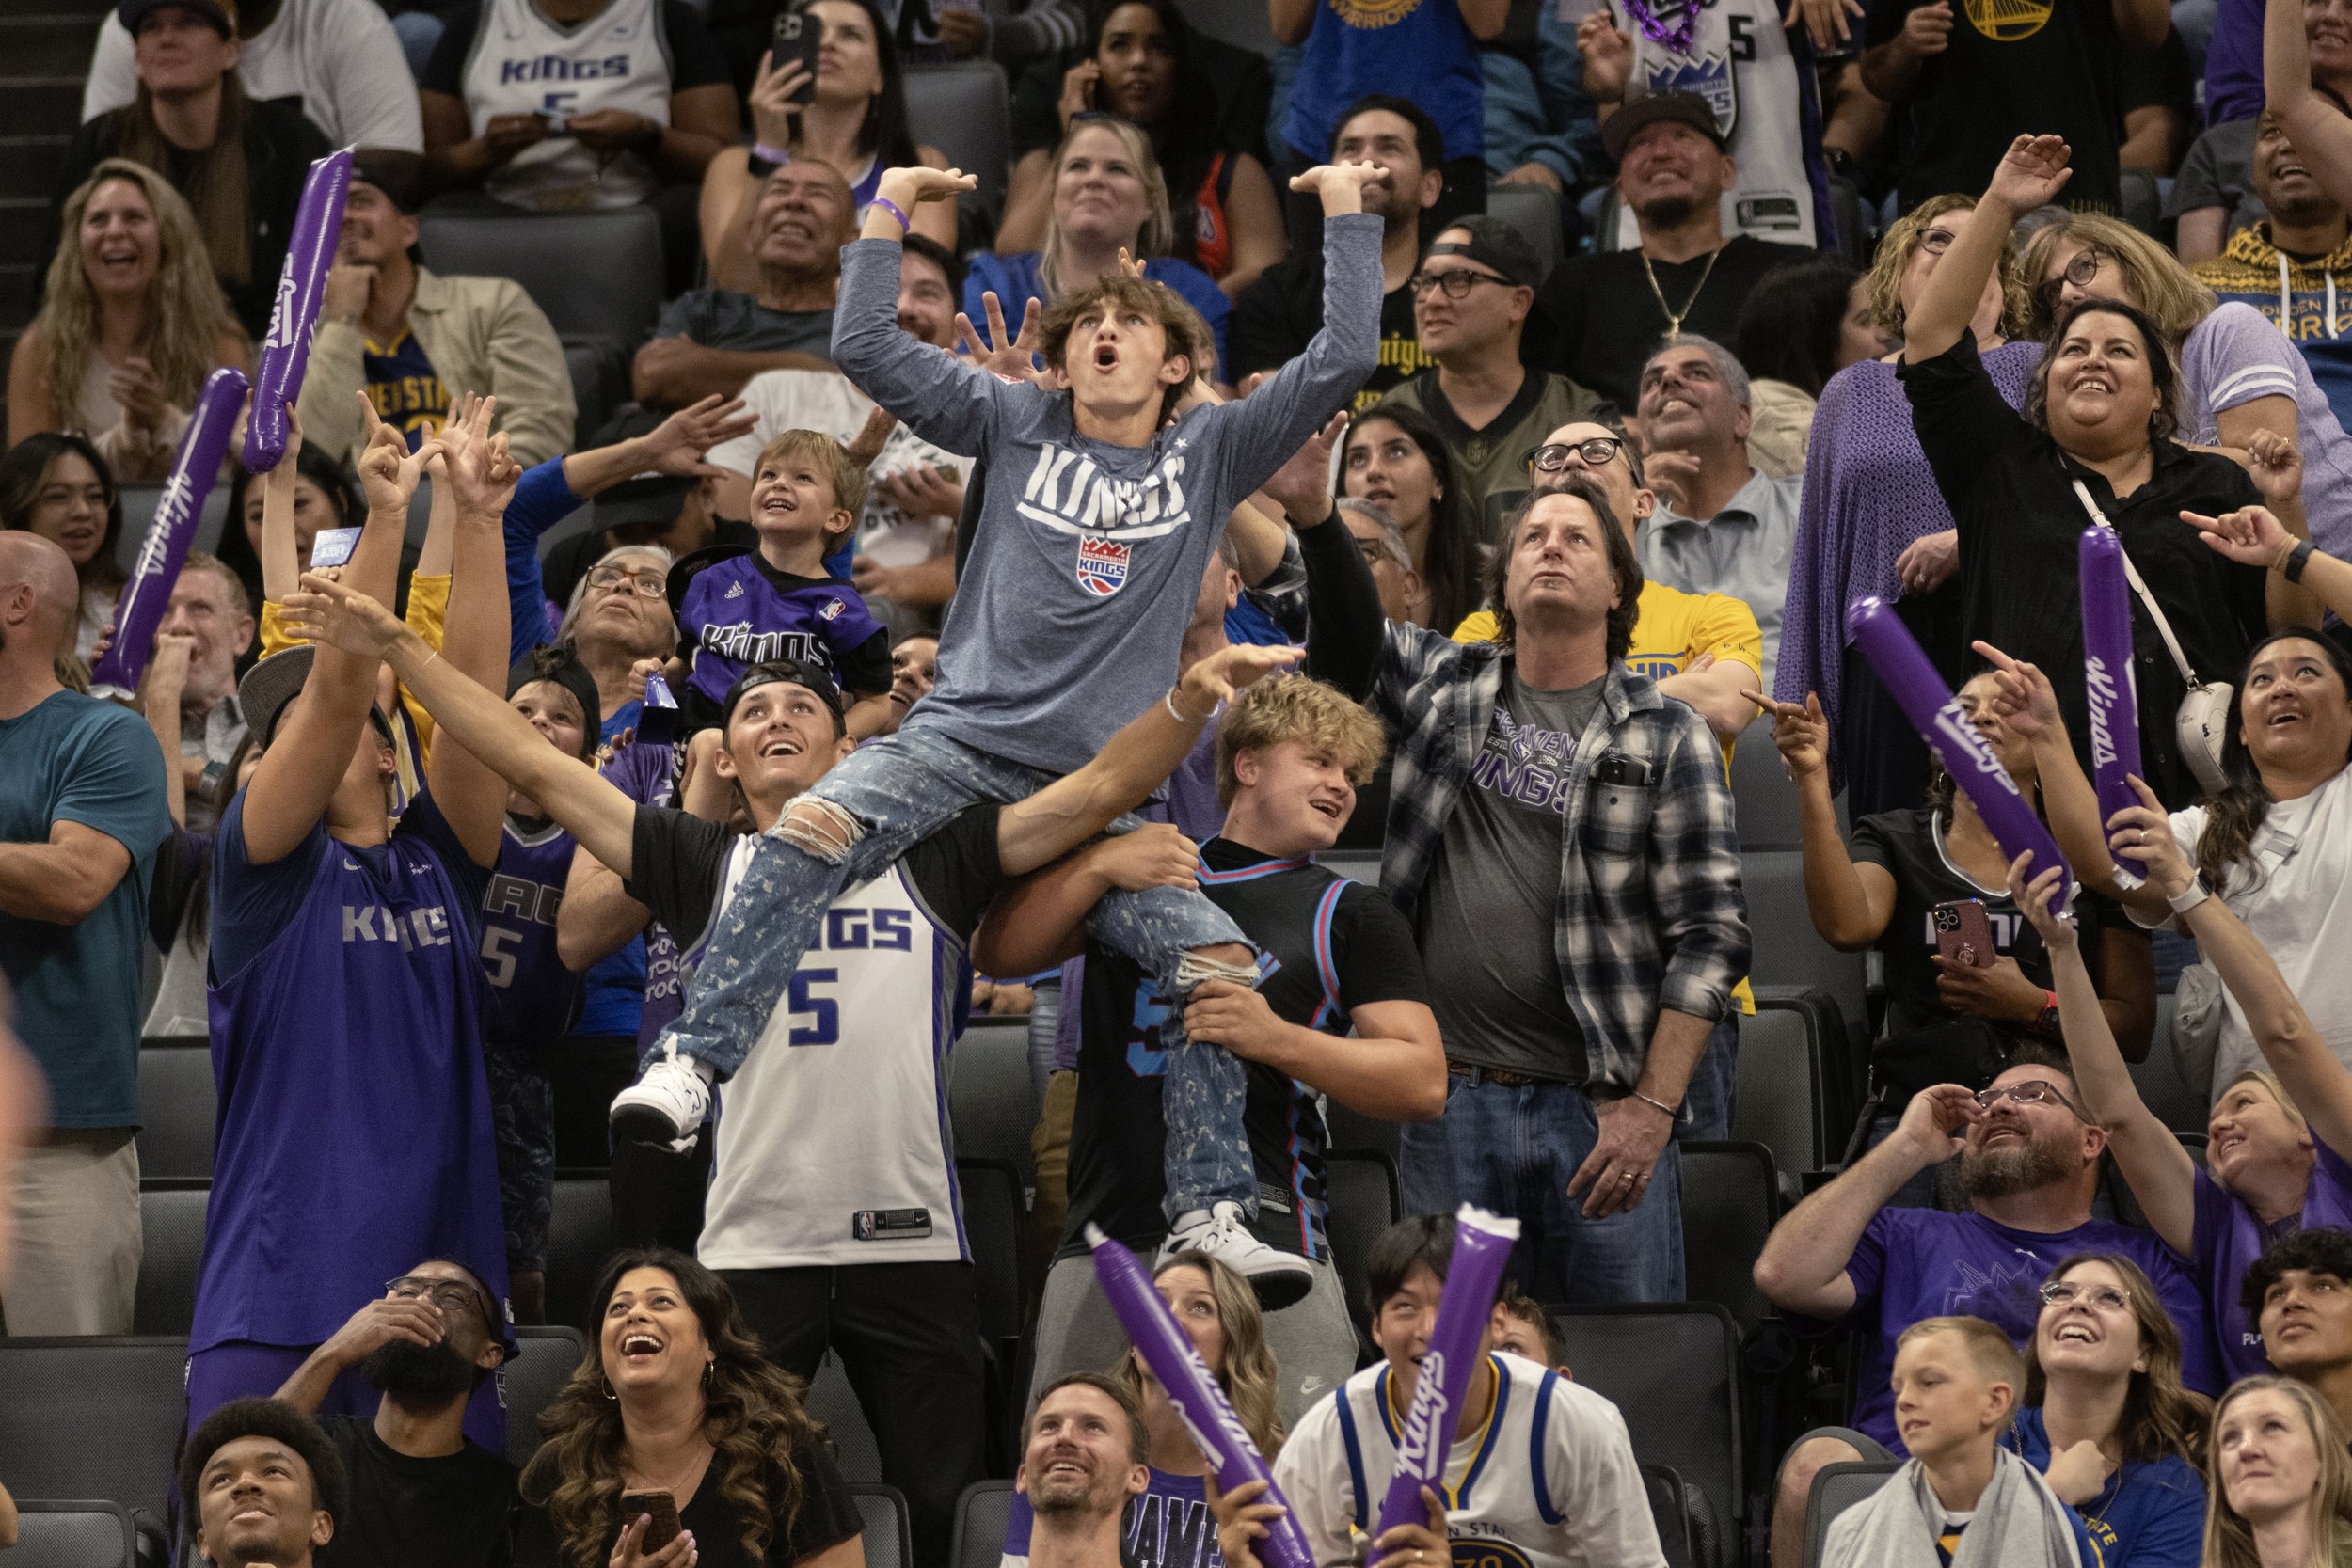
{"x": 1280, "y": 1278}
{"x": 665, "y": 1108}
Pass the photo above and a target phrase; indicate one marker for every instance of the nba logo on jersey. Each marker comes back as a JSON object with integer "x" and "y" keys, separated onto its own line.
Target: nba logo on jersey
{"x": 832, "y": 611}
{"x": 1103, "y": 566}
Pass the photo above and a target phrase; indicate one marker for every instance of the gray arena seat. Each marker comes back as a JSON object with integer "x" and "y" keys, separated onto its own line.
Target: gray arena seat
{"x": 594, "y": 273}
{"x": 1836, "y": 1489}
{"x": 579, "y": 1238}
{"x": 981, "y": 1516}
{"x": 885, "y": 1514}
{"x": 532, "y": 1379}
{"x": 94, "y": 1415}
{"x": 832, "y": 1401}
{"x": 1672, "y": 1370}
{"x": 1242, "y": 23}
{"x": 77, "y": 1534}
{"x": 177, "y": 1107}
{"x": 1730, "y": 1199}
{"x": 2180, "y": 1106}
{"x": 964, "y": 109}
{"x": 1787, "y": 950}
{"x": 1780, "y": 1099}
{"x": 990, "y": 1106}
{"x": 171, "y": 1223}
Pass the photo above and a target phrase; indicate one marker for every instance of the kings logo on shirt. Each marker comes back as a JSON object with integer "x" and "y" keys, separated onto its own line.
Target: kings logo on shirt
{"x": 1103, "y": 566}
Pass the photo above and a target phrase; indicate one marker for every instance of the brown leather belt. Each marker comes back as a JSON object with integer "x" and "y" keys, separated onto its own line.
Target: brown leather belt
{"x": 1493, "y": 1075}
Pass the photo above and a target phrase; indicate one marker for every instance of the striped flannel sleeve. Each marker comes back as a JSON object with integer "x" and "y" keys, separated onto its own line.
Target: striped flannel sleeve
{"x": 1695, "y": 896}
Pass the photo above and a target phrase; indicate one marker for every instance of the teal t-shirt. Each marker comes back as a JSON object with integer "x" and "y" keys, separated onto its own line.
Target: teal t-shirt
{"x": 76, "y": 760}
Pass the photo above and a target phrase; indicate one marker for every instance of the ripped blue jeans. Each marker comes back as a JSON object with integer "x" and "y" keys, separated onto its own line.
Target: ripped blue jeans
{"x": 898, "y": 791}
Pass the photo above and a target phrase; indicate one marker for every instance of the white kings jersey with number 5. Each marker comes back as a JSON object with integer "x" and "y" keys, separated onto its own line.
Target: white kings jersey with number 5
{"x": 1758, "y": 81}
{"x": 522, "y": 64}
{"x": 1548, "y": 1480}
{"x": 840, "y": 1111}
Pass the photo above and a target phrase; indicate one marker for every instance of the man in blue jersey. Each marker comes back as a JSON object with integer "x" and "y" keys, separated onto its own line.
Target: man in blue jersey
{"x": 1095, "y": 524}
{"x": 833, "y": 1211}
{"x": 347, "y": 984}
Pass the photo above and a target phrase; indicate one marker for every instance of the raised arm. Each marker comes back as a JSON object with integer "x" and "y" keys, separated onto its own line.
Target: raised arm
{"x": 2321, "y": 134}
{"x": 312, "y": 749}
{"x": 1802, "y": 1267}
{"x": 2160, "y": 1172}
{"x": 2317, "y": 1080}
{"x": 473, "y": 716}
{"x": 1070, "y": 810}
{"x": 475, "y": 640}
{"x": 2031, "y": 173}
{"x": 281, "y": 557}
{"x": 1850, "y": 904}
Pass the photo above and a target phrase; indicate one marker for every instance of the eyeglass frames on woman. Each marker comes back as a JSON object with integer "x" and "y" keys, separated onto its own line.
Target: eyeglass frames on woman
{"x": 648, "y": 585}
{"x": 2082, "y": 269}
{"x": 1596, "y": 450}
{"x": 2065, "y": 1292}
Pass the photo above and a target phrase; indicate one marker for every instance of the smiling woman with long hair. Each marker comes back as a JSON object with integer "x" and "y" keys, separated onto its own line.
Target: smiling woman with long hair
{"x": 133, "y": 321}
{"x": 675, "y": 1395}
{"x": 1395, "y": 459}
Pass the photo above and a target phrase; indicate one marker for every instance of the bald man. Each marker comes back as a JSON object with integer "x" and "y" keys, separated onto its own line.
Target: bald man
{"x": 82, "y": 812}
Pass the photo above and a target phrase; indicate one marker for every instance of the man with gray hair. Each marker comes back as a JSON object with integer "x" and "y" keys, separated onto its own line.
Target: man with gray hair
{"x": 1720, "y": 527}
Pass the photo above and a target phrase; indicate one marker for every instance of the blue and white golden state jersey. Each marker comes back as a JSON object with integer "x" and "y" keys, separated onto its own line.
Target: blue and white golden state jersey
{"x": 1547, "y": 1480}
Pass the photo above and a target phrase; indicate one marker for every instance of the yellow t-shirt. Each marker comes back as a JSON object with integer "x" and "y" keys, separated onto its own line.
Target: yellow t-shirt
{"x": 1671, "y": 629}
{"x": 427, "y": 616}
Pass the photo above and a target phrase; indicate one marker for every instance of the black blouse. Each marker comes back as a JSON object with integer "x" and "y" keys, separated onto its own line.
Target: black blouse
{"x": 2010, "y": 491}
{"x": 828, "y": 1515}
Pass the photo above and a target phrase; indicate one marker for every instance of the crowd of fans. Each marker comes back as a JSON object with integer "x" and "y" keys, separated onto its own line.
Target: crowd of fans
{"x": 955, "y": 621}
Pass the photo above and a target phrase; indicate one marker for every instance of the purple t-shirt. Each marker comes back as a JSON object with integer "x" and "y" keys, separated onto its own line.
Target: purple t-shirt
{"x": 743, "y": 612}
{"x": 1915, "y": 1263}
{"x": 2236, "y": 355}
{"x": 2228, "y": 1238}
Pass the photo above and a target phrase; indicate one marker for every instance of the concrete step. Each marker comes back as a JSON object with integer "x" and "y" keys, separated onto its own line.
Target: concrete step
{"x": 23, "y": 221}
{"x": 37, "y": 104}
{"x": 28, "y": 165}
{"x": 49, "y": 43}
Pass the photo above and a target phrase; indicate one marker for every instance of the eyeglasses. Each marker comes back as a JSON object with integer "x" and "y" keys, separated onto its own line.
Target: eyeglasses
{"x": 2065, "y": 1292}
{"x": 1454, "y": 282}
{"x": 450, "y": 1296}
{"x": 647, "y": 585}
{"x": 1935, "y": 242}
{"x": 2080, "y": 271}
{"x": 1596, "y": 450}
{"x": 1374, "y": 551}
{"x": 2033, "y": 1091}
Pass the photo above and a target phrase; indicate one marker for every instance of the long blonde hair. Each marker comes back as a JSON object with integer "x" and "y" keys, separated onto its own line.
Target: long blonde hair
{"x": 2229, "y": 1539}
{"x": 1249, "y": 1375}
{"x": 1158, "y": 227}
{"x": 186, "y": 313}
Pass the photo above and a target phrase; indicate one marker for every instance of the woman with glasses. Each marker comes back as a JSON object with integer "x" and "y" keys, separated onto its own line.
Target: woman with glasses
{"x": 2273, "y": 1138}
{"x": 2239, "y": 374}
{"x": 1395, "y": 459}
{"x": 1144, "y": 63}
{"x": 1872, "y": 521}
{"x": 1954, "y": 1014}
{"x": 2095, "y": 441}
{"x": 1108, "y": 196}
{"x": 2104, "y": 1415}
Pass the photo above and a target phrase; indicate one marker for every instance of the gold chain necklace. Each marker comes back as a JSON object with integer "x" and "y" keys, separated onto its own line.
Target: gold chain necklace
{"x": 1673, "y": 317}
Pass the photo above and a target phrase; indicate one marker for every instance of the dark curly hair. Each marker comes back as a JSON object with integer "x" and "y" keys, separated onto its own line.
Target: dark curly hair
{"x": 2164, "y": 372}
{"x": 1625, "y": 568}
{"x": 2235, "y": 813}
{"x": 2316, "y": 1249}
{"x": 279, "y": 1423}
{"x": 752, "y": 1418}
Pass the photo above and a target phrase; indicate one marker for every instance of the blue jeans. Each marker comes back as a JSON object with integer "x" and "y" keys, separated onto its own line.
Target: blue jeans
{"x": 1511, "y": 1150}
{"x": 901, "y": 791}
{"x": 1706, "y": 1101}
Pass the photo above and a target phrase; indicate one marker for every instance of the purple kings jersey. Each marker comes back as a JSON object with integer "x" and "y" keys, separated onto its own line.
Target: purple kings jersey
{"x": 740, "y": 611}
{"x": 532, "y": 997}
{"x": 354, "y": 1131}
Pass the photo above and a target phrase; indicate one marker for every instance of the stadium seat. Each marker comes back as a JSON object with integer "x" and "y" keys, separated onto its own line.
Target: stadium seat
{"x": 1730, "y": 1199}
{"x": 833, "y": 1402}
{"x": 84, "y": 1534}
{"x": 599, "y": 372}
{"x": 884, "y": 1511}
{"x": 2178, "y": 1105}
{"x": 96, "y": 1415}
{"x": 964, "y": 109}
{"x": 994, "y": 1213}
{"x": 1836, "y": 1489}
{"x": 1856, "y": 241}
{"x": 981, "y": 1516}
{"x": 1243, "y": 23}
{"x": 171, "y": 1220}
{"x": 1765, "y": 795}
{"x": 1348, "y": 1129}
{"x": 1779, "y": 1094}
{"x": 1535, "y": 214}
{"x": 1788, "y": 952}
{"x": 990, "y": 1106}
{"x": 177, "y": 1107}
{"x": 138, "y": 511}
{"x": 579, "y": 1238}
{"x": 532, "y": 1379}
{"x": 1362, "y": 865}
{"x": 1670, "y": 1510}
{"x": 1672, "y": 1369}
{"x": 594, "y": 273}
{"x": 1362, "y": 1198}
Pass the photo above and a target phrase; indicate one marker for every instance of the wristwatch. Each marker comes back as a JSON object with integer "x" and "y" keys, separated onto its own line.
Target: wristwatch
{"x": 2046, "y": 1021}
{"x": 2198, "y": 893}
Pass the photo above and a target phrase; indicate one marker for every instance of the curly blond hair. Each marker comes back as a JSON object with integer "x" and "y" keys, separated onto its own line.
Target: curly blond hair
{"x": 1901, "y": 243}
{"x": 1296, "y": 707}
{"x": 186, "y": 313}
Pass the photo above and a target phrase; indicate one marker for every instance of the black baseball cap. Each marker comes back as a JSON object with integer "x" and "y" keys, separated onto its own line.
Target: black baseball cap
{"x": 1683, "y": 108}
{"x": 790, "y": 672}
{"x": 1494, "y": 242}
{"x": 220, "y": 13}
